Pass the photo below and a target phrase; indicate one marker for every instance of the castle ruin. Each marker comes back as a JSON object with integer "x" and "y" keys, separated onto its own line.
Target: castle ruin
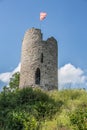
{"x": 39, "y": 61}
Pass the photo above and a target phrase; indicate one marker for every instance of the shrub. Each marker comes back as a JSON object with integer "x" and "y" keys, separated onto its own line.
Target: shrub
{"x": 21, "y": 121}
{"x": 26, "y": 108}
{"x": 79, "y": 119}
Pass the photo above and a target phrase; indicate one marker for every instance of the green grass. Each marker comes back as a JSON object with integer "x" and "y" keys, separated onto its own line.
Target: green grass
{"x": 73, "y": 100}
{"x": 35, "y": 109}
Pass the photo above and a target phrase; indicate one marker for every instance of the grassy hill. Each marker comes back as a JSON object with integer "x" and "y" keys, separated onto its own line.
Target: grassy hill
{"x": 34, "y": 109}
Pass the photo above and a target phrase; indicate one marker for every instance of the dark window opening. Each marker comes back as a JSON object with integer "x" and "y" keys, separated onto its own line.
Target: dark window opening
{"x": 41, "y": 57}
{"x": 37, "y": 76}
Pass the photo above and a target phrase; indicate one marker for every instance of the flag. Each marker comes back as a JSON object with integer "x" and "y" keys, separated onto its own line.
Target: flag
{"x": 43, "y": 15}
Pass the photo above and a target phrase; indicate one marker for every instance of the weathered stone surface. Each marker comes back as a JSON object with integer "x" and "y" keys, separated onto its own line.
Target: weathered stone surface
{"x": 38, "y": 60}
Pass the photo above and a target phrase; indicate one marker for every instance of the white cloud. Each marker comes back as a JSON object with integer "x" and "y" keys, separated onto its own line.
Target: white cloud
{"x": 5, "y": 77}
{"x": 69, "y": 74}
{"x": 17, "y": 69}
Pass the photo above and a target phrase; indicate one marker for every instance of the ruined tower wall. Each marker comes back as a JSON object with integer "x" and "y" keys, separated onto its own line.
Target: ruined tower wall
{"x": 49, "y": 66}
{"x": 38, "y": 55}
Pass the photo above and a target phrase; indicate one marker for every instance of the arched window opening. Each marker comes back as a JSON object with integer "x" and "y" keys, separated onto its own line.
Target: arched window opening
{"x": 41, "y": 57}
{"x": 37, "y": 76}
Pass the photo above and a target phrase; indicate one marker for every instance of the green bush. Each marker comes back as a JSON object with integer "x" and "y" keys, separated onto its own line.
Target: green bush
{"x": 26, "y": 108}
{"x": 79, "y": 119}
{"x": 20, "y": 121}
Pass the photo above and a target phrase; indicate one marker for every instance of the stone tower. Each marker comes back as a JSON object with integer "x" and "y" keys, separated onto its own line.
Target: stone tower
{"x": 38, "y": 61}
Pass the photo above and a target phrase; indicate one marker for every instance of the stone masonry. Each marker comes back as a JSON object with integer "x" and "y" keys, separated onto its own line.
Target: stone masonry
{"x": 39, "y": 61}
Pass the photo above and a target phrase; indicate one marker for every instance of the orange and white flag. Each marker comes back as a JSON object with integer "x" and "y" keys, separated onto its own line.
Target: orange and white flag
{"x": 43, "y": 15}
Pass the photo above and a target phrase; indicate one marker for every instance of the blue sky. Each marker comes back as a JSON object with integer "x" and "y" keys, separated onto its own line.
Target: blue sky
{"x": 66, "y": 20}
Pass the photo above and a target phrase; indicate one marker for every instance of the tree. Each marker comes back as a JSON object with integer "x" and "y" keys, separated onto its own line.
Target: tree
{"x": 14, "y": 81}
